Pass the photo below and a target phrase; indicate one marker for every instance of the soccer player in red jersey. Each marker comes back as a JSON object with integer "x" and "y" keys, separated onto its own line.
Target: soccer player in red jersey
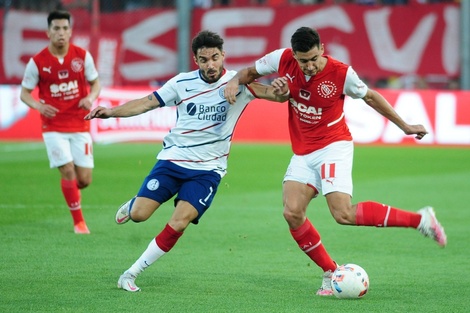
{"x": 63, "y": 73}
{"x": 323, "y": 146}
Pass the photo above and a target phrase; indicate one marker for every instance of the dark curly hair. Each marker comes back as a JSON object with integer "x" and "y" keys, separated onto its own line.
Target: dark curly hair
{"x": 207, "y": 39}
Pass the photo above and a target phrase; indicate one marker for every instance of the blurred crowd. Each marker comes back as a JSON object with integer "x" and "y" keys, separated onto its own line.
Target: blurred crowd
{"x": 119, "y": 5}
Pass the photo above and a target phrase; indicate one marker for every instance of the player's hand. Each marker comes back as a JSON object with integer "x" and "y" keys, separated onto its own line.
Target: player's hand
{"x": 85, "y": 104}
{"x": 418, "y": 130}
{"x": 48, "y": 110}
{"x": 280, "y": 86}
{"x": 231, "y": 90}
{"x": 99, "y": 112}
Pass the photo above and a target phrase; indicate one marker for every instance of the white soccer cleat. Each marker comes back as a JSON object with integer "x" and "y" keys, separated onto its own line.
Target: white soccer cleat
{"x": 127, "y": 282}
{"x": 123, "y": 214}
{"x": 325, "y": 289}
{"x": 430, "y": 227}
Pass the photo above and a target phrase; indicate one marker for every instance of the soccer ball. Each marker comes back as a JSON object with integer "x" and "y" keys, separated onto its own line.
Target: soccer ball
{"x": 350, "y": 281}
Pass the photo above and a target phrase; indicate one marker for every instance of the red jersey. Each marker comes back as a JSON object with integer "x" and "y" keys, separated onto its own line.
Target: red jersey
{"x": 316, "y": 116}
{"x": 62, "y": 85}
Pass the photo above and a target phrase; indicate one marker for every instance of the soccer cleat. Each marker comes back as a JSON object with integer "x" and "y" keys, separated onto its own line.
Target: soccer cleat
{"x": 81, "y": 228}
{"x": 123, "y": 214}
{"x": 429, "y": 226}
{"x": 325, "y": 289}
{"x": 127, "y": 282}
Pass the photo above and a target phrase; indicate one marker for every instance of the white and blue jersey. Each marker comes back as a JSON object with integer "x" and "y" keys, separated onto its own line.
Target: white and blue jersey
{"x": 205, "y": 121}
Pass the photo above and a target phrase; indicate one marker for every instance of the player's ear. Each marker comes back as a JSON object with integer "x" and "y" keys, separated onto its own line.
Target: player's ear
{"x": 195, "y": 60}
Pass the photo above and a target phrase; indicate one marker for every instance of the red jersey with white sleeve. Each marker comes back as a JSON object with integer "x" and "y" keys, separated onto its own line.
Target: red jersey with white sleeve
{"x": 316, "y": 116}
{"x": 62, "y": 83}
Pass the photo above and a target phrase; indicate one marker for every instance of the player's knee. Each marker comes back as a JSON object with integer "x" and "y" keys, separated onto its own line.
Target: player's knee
{"x": 67, "y": 172}
{"x": 179, "y": 225}
{"x": 83, "y": 183}
{"x": 139, "y": 214}
{"x": 341, "y": 219}
{"x": 180, "y": 221}
{"x": 293, "y": 217}
{"x": 184, "y": 214}
{"x": 343, "y": 216}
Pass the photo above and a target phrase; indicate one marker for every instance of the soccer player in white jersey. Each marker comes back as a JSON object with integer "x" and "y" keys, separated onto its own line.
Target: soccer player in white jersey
{"x": 62, "y": 72}
{"x": 194, "y": 155}
{"x": 323, "y": 147}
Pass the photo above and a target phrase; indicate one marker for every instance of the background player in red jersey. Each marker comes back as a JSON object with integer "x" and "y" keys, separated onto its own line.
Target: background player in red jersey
{"x": 62, "y": 71}
{"x": 323, "y": 147}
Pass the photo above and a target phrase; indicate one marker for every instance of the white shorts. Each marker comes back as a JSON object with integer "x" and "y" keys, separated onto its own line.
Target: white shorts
{"x": 63, "y": 148}
{"x": 327, "y": 170}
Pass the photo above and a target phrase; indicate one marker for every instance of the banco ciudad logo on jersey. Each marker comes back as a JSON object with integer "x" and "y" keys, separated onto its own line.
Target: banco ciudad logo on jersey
{"x": 191, "y": 108}
{"x": 214, "y": 112}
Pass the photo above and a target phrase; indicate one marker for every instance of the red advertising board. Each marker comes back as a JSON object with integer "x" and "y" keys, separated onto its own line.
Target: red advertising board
{"x": 141, "y": 49}
{"x": 446, "y": 116}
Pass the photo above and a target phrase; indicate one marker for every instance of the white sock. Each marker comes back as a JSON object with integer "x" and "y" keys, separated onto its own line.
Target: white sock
{"x": 150, "y": 255}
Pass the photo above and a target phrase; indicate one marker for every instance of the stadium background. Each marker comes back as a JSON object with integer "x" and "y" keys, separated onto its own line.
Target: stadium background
{"x": 412, "y": 51}
{"x": 240, "y": 258}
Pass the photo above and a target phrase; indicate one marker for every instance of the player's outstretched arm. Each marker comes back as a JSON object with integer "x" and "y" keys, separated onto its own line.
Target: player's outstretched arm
{"x": 381, "y": 105}
{"x": 130, "y": 108}
{"x": 243, "y": 77}
{"x": 270, "y": 92}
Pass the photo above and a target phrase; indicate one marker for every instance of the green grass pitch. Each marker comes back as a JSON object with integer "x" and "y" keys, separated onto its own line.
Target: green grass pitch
{"x": 241, "y": 257}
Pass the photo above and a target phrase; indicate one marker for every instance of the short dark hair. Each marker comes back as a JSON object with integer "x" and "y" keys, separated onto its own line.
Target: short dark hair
{"x": 58, "y": 15}
{"x": 305, "y": 39}
{"x": 207, "y": 39}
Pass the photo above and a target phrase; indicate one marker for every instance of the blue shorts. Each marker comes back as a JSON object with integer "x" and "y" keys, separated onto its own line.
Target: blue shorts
{"x": 167, "y": 179}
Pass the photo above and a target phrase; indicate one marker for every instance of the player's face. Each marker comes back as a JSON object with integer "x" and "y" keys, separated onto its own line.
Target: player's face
{"x": 211, "y": 63}
{"x": 59, "y": 32}
{"x": 310, "y": 62}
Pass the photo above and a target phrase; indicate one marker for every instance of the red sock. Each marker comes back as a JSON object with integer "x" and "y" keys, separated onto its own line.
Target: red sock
{"x": 380, "y": 215}
{"x": 167, "y": 238}
{"x": 72, "y": 197}
{"x": 77, "y": 216}
{"x": 308, "y": 239}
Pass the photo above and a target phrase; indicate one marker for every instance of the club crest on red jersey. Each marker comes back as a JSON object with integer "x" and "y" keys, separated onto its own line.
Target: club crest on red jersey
{"x": 77, "y": 65}
{"x": 327, "y": 89}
